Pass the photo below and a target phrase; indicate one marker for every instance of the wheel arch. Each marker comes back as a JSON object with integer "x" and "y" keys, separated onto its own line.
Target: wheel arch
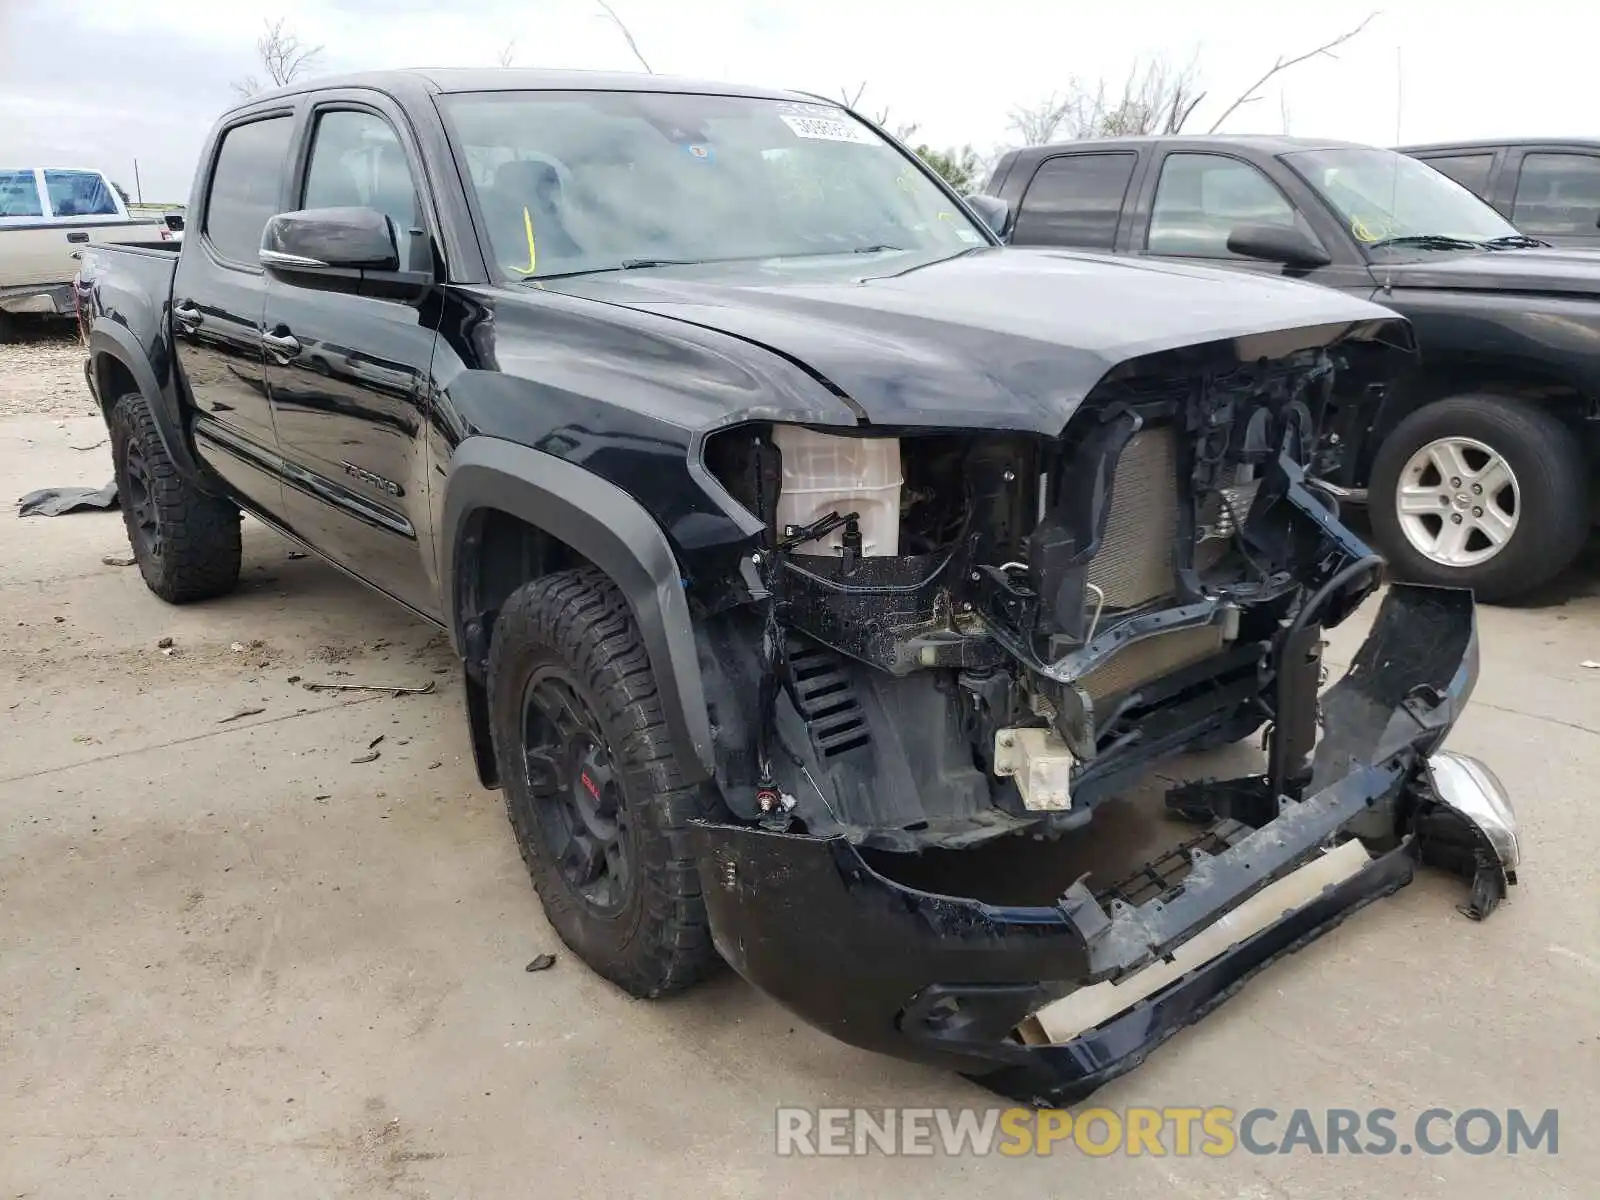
{"x": 118, "y": 365}
{"x": 512, "y": 514}
{"x": 1439, "y": 379}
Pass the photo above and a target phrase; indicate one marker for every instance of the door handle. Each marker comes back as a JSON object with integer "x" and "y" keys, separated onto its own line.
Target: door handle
{"x": 188, "y": 314}
{"x": 80, "y": 236}
{"x": 283, "y": 343}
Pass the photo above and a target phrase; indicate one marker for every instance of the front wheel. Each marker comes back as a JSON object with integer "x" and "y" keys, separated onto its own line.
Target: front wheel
{"x": 594, "y": 792}
{"x": 1485, "y": 492}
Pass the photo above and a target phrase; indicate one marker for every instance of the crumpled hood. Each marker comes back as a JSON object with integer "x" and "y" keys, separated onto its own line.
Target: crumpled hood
{"x": 1003, "y": 338}
{"x": 1558, "y": 270}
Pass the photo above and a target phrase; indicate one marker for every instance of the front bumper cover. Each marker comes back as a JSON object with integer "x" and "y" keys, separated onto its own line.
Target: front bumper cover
{"x": 947, "y": 980}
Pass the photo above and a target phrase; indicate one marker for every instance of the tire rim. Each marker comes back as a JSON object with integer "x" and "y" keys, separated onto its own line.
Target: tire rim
{"x": 1458, "y": 502}
{"x": 139, "y": 503}
{"x": 576, "y": 787}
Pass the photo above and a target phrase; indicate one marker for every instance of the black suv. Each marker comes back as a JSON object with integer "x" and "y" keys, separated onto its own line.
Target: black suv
{"x": 817, "y": 565}
{"x": 1479, "y": 463}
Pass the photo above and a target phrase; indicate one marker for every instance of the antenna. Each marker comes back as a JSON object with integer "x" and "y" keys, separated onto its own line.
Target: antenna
{"x": 1394, "y": 173}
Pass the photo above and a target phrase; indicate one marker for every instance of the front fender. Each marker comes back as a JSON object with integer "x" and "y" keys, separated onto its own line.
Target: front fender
{"x": 613, "y": 531}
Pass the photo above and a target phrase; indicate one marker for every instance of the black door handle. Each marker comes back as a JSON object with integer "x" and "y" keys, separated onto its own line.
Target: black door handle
{"x": 80, "y": 236}
{"x": 283, "y": 343}
{"x": 187, "y": 313}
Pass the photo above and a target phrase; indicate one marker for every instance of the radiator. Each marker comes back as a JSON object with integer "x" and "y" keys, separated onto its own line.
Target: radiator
{"x": 1134, "y": 567}
{"x": 1134, "y": 563}
{"x": 1153, "y": 657}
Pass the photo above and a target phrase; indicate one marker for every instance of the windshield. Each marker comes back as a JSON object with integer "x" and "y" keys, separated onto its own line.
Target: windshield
{"x": 1382, "y": 195}
{"x": 583, "y": 181}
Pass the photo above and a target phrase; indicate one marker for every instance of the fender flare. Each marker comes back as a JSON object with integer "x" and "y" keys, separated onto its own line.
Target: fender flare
{"x": 108, "y": 339}
{"x": 613, "y": 531}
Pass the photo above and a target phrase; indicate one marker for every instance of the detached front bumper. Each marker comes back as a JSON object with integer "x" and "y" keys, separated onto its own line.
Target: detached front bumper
{"x": 949, "y": 980}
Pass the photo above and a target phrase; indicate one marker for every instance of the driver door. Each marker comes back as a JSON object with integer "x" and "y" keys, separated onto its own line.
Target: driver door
{"x": 1194, "y": 200}
{"x": 348, "y": 371}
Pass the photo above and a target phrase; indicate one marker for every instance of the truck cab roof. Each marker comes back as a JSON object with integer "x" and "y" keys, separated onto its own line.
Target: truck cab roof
{"x": 444, "y": 80}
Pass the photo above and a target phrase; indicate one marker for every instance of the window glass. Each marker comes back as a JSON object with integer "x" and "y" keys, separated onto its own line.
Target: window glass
{"x": 1387, "y": 200}
{"x": 19, "y": 194}
{"x": 1075, "y": 200}
{"x": 79, "y": 194}
{"x": 1471, "y": 171}
{"x": 246, "y": 185}
{"x": 357, "y": 162}
{"x": 1558, "y": 194}
{"x": 1202, "y": 198}
{"x": 587, "y": 181}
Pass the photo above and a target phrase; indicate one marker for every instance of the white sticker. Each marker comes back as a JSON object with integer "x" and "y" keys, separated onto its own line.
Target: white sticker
{"x": 827, "y": 129}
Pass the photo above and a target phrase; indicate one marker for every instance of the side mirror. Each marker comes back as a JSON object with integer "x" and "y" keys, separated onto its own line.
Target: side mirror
{"x": 993, "y": 212}
{"x": 1277, "y": 243}
{"x": 334, "y": 240}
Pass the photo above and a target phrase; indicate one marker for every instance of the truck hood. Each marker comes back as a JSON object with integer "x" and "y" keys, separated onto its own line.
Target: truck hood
{"x": 996, "y": 338}
{"x": 1557, "y": 270}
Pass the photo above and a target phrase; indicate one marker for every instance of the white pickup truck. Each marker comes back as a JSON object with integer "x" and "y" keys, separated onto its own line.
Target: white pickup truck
{"x": 47, "y": 215}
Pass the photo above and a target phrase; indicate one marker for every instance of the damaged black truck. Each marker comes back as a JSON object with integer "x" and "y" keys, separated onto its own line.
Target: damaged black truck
{"x": 817, "y": 565}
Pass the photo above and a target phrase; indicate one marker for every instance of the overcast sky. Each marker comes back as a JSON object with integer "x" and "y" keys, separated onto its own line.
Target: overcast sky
{"x": 99, "y": 82}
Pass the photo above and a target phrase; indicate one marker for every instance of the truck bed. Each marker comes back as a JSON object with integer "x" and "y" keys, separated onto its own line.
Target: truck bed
{"x": 43, "y": 255}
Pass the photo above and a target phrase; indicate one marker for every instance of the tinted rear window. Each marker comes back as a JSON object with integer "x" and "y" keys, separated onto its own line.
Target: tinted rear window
{"x": 1075, "y": 200}
{"x": 246, "y": 185}
{"x": 1558, "y": 194}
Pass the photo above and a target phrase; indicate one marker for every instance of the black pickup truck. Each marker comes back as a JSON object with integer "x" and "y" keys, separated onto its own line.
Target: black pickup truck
{"x": 817, "y": 565}
{"x": 1479, "y": 465}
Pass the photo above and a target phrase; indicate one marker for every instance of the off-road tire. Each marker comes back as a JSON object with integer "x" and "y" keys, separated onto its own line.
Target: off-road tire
{"x": 1552, "y": 479}
{"x": 579, "y": 623}
{"x": 193, "y": 551}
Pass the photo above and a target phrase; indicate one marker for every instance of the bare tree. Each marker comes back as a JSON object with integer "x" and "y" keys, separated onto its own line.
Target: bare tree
{"x": 284, "y": 58}
{"x": 1155, "y": 98}
{"x": 1038, "y": 123}
{"x": 508, "y": 54}
{"x": 1253, "y": 93}
{"x": 627, "y": 35}
{"x": 852, "y": 100}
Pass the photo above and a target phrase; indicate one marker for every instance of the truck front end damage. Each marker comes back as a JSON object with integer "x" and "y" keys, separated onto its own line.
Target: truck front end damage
{"x": 953, "y": 648}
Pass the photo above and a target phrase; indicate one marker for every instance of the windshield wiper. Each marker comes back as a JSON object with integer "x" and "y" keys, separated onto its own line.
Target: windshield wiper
{"x": 634, "y": 264}
{"x": 1427, "y": 241}
{"x": 1515, "y": 241}
{"x": 877, "y": 248}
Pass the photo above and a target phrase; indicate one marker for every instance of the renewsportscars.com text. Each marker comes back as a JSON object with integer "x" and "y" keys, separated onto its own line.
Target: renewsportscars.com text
{"x": 1212, "y": 1132}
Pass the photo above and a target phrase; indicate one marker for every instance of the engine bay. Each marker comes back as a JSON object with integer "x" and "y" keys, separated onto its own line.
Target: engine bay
{"x": 951, "y": 636}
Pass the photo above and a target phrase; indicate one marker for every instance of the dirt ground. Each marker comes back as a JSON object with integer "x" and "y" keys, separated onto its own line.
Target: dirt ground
{"x": 237, "y": 961}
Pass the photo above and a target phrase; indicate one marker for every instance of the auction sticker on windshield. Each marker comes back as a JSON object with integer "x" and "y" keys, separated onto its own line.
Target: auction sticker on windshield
{"x": 828, "y": 129}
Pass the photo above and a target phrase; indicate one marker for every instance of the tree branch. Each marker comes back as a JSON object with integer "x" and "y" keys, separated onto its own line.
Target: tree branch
{"x": 627, "y": 34}
{"x": 1283, "y": 64}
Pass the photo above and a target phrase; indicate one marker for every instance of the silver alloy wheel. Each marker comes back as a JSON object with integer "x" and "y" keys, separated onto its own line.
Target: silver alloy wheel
{"x": 1458, "y": 502}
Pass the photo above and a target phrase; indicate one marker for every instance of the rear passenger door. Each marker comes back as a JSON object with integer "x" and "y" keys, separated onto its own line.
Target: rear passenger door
{"x": 1557, "y": 195}
{"x": 1193, "y": 200}
{"x": 1075, "y": 199}
{"x": 217, "y": 300}
{"x": 348, "y": 366}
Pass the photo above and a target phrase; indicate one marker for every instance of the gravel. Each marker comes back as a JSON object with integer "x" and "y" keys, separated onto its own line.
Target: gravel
{"x": 41, "y": 375}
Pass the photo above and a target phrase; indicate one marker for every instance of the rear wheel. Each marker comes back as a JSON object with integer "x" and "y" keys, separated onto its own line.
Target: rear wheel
{"x": 594, "y": 792}
{"x": 185, "y": 541}
{"x": 1486, "y": 492}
